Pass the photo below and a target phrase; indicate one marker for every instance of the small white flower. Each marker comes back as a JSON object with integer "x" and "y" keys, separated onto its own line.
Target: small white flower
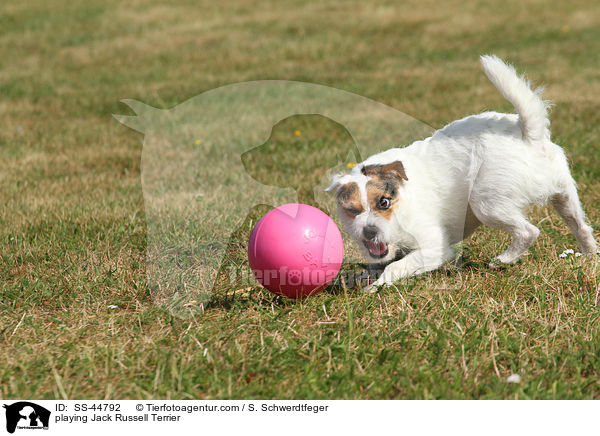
{"x": 569, "y": 251}
{"x": 113, "y": 306}
{"x": 513, "y": 378}
{"x": 562, "y": 255}
{"x": 578, "y": 254}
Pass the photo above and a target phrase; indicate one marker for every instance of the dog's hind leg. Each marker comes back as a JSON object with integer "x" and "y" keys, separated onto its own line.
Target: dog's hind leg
{"x": 523, "y": 233}
{"x": 569, "y": 208}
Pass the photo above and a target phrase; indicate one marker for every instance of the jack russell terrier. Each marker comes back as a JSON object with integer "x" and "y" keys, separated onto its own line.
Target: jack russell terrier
{"x": 407, "y": 206}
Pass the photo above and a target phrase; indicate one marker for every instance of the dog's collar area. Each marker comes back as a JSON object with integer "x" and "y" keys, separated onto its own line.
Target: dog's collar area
{"x": 401, "y": 252}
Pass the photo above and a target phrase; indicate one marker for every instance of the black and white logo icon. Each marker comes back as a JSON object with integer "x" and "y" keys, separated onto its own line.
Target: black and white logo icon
{"x": 27, "y": 416}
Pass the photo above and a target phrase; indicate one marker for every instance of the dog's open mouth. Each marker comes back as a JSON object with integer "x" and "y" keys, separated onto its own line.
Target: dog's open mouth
{"x": 376, "y": 249}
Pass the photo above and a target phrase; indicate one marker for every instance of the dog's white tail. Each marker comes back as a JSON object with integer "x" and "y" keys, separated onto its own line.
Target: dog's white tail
{"x": 532, "y": 110}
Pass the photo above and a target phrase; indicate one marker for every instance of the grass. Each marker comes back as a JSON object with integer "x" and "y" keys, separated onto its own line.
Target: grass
{"x": 73, "y": 229}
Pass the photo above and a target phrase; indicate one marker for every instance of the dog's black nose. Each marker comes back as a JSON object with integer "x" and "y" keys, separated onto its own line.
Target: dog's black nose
{"x": 369, "y": 232}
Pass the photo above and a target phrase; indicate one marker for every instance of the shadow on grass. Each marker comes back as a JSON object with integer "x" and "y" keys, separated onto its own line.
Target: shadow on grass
{"x": 258, "y": 296}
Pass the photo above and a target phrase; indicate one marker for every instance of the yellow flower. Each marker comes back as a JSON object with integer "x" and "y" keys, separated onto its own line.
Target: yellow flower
{"x": 198, "y": 141}
{"x": 351, "y": 164}
{"x": 297, "y": 132}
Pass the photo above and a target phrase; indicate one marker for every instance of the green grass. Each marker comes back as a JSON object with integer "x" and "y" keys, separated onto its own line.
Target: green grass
{"x": 73, "y": 228}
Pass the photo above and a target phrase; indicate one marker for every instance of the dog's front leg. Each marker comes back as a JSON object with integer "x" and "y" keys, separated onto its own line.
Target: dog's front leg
{"x": 416, "y": 262}
{"x": 433, "y": 254}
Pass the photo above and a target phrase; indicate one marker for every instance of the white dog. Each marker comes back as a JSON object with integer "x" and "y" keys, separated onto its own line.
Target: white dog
{"x": 407, "y": 206}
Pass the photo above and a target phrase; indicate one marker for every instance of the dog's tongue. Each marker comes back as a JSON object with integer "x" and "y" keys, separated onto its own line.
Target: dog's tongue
{"x": 377, "y": 248}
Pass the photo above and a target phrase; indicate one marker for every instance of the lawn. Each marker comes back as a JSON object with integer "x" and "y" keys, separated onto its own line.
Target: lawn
{"x": 78, "y": 316}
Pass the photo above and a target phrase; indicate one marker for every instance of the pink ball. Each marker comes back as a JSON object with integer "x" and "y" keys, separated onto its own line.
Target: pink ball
{"x": 295, "y": 250}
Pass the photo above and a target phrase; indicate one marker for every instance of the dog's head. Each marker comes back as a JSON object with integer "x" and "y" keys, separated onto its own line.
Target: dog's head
{"x": 368, "y": 199}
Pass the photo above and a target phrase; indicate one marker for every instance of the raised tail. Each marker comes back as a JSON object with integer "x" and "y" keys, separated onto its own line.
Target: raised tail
{"x": 532, "y": 110}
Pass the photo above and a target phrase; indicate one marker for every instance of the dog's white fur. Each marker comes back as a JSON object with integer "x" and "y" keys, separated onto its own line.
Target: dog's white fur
{"x": 484, "y": 168}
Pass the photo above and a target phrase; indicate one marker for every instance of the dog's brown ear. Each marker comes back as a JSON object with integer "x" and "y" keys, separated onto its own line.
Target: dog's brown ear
{"x": 394, "y": 167}
{"x": 397, "y": 168}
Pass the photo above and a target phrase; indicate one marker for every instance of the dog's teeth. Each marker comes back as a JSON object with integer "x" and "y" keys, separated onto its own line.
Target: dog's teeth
{"x": 377, "y": 248}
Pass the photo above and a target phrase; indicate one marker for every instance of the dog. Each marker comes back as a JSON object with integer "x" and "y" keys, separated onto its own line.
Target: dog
{"x": 406, "y": 207}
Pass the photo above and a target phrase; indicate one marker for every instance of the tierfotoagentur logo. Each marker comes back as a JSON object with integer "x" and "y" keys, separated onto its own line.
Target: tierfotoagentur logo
{"x": 25, "y": 415}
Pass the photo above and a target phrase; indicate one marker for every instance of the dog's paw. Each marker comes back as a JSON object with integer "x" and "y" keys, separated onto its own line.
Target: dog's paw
{"x": 373, "y": 287}
{"x": 504, "y": 261}
{"x": 370, "y": 289}
{"x": 494, "y": 264}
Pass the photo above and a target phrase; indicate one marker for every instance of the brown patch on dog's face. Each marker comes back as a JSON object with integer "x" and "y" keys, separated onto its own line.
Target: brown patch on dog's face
{"x": 348, "y": 197}
{"x": 383, "y": 186}
{"x": 394, "y": 169}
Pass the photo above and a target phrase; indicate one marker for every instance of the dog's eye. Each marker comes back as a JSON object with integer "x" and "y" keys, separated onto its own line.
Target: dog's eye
{"x": 384, "y": 203}
{"x": 353, "y": 211}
